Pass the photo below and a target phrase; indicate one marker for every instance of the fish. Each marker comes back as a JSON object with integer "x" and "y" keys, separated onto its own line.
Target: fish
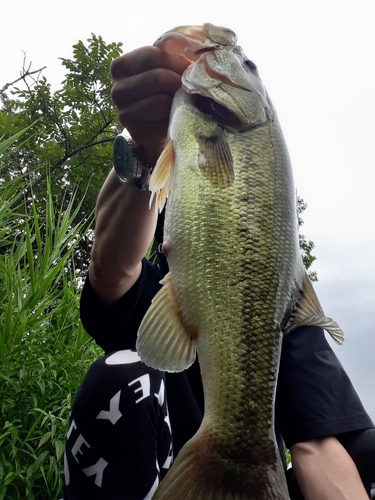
{"x": 236, "y": 281}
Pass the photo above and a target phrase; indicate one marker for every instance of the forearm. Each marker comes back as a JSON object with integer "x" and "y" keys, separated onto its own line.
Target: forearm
{"x": 124, "y": 229}
{"x": 325, "y": 471}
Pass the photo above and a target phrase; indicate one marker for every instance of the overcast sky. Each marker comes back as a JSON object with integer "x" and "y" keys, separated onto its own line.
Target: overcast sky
{"x": 317, "y": 60}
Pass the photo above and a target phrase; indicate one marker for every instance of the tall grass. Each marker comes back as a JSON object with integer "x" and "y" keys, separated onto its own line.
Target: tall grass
{"x": 44, "y": 351}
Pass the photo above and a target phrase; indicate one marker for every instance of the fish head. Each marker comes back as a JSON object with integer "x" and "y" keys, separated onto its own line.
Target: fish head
{"x": 227, "y": 86}
{"x": 222, "y": 81}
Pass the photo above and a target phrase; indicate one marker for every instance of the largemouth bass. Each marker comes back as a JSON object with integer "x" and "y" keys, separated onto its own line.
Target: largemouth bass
{"x": 236, "y": 280}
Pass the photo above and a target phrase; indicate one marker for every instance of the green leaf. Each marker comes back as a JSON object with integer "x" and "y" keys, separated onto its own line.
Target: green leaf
{"x": 7, "y": 143}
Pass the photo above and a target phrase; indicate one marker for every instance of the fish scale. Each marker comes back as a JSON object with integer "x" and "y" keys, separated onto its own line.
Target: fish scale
{"x": 236, "y": 280}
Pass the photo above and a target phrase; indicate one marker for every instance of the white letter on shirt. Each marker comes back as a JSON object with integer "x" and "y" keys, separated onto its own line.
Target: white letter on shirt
{"x": 96, "y": 470}
{"x": 77, "y": 447}
{"x": 114, "y": 413}
{"x": 145, "y": 384}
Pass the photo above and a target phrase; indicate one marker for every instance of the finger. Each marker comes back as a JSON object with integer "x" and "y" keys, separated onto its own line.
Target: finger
{"x": 151, "y": 109}
{"x": 144, "y": 59}
{"x": 149, "y": 134}
{"x": 136, "y": 87}
{"x": 149, "y": 139}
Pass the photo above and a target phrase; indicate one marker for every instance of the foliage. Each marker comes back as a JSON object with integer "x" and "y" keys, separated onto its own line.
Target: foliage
{"x": 4, "y": 145}
{"x": 306, "y": 246}
{"x": 76, "y": 127}
{"x": 44, "y": 352}
{"x": 51, "y": 143}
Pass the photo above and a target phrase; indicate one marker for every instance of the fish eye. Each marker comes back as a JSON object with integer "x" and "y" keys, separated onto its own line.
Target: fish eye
{"x": 250, "y": 64}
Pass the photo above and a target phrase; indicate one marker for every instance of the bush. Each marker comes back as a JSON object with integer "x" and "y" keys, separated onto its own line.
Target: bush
{"x": 44, "y": 351}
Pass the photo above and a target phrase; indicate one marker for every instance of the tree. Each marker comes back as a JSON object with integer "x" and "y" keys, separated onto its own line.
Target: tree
{"x": 76, "y": 127}
{"x": 306, "y": 246}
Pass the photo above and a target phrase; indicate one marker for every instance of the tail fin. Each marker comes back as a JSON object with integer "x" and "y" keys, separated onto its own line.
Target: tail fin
{"x": 199, "y": 475}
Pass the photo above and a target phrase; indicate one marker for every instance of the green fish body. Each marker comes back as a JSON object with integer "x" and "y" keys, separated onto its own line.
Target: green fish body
{"x": 236, "y": 280}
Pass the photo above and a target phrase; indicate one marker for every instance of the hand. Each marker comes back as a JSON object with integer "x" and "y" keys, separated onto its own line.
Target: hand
{"x": 145, "y": 81}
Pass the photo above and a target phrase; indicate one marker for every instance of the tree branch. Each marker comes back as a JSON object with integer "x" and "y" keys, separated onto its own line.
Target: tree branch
{"x": 24, "y": 74}
{"x": 64, "y": 159}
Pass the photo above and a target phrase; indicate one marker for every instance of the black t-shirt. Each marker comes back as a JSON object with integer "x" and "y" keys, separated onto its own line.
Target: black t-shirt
{"x": 119, "y": 442}
{"x": 315, "y": 397}
{"x": 114, "y": 327}
{"x": 110, "y": 458}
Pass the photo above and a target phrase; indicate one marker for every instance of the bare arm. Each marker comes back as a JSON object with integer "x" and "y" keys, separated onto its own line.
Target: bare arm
{"x": 145, "y": 81}
{"x": 325, "y": 471}
{"x": 124, "y": 229}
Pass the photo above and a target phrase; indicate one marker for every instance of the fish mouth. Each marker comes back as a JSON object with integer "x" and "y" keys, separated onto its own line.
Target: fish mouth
{"x": 221, "y": 114}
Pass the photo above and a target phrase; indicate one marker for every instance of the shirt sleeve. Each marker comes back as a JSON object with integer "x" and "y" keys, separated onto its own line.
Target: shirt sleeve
{"x": 114, "y": 326}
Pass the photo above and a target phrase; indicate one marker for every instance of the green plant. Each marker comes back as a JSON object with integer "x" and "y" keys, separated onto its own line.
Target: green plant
{"x": 44, "y": 351}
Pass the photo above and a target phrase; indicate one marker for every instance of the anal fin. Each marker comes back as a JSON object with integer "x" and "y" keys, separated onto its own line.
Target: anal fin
{"x": 164, "y": 341}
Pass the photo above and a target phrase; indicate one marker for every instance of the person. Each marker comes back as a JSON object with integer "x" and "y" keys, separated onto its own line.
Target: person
{"x": 121, "y": 430}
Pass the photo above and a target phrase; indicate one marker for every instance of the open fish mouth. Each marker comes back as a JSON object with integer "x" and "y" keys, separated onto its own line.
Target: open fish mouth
{"x": 223, "y": 115}
{"x": 209, "y": 106}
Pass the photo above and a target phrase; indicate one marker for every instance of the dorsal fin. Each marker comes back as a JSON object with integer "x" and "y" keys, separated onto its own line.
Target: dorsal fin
{"x": 309, "y": 312}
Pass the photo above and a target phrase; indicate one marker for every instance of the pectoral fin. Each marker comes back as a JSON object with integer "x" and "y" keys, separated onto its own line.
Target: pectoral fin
{"x": 161, "y": 177}
{"x": 215, "y": 159}
{"x": 164, "y": 341}
{"x": 309, "y": 312}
